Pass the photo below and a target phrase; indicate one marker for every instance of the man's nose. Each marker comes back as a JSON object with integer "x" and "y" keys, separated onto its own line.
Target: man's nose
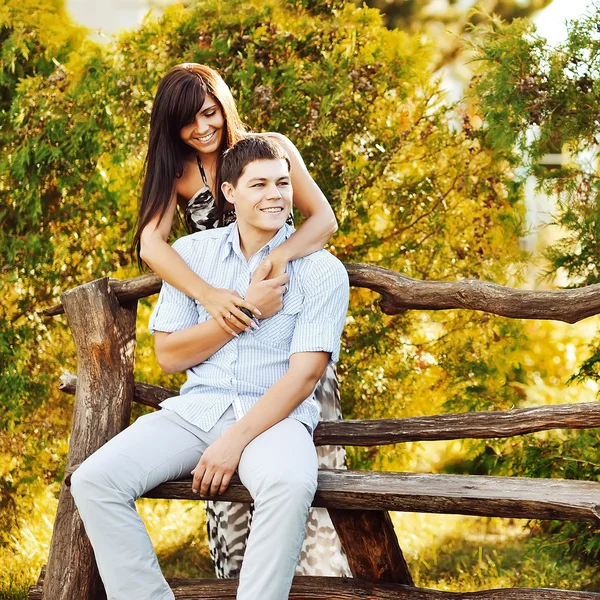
{"x": 273, "y": 192}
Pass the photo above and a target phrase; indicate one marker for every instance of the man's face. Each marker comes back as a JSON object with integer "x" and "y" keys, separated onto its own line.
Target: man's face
{"x": 263, "y": 195}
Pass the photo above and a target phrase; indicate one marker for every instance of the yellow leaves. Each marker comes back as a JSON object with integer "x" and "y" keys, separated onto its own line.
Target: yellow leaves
{"x": 260, "y": 32}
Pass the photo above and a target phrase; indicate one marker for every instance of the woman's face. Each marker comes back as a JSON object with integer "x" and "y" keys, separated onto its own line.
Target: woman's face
{"x": 205, "y": 132}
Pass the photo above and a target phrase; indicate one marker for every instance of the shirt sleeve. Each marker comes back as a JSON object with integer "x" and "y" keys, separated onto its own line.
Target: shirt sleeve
{"x": 174, "y": 310}
{"x": 321, "y": 321}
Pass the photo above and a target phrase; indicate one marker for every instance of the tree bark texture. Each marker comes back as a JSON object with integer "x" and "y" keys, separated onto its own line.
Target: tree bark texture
{"x": 401, "y": 293}
{"x": 143, "y": 393}
{"x": 453, "y": 426}
{"x": 510, "y": 497}
{"x": 104, "y": 334}
{"x": 371, "y": 545}
{"x": 341, "y": 588}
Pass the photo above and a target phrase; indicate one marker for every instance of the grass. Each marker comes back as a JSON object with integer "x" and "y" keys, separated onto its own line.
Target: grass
{"x": 461, "y": 553}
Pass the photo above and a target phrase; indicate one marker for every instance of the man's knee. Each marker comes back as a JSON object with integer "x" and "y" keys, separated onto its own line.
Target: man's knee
{"x": 82, "y": 481}
{"x": 293, "y": 487}
{"x": 87, "y": 481}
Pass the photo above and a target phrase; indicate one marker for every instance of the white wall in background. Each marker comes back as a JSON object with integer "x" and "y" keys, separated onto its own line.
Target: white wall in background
{"x": 107, "y": 17}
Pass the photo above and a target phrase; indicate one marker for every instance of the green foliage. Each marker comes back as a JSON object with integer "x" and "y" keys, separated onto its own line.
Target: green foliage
{"x": 537, "y": 100}
{"x": 35, "y": 37}
{"x": 411, "y": 193}
{"x": 416, "y": 185}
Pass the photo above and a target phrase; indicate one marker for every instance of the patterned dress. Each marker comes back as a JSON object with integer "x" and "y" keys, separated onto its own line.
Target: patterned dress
{"x": 229, "y": 523}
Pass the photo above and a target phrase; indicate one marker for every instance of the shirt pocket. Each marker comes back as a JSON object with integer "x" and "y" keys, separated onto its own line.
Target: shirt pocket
{"x": 278, "y": 330}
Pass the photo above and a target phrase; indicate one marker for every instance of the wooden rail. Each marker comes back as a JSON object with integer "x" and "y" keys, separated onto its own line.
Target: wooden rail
{"x": 401, "y": 293}
{"x": 485, "y": 496}
{"x": 340, "y": 588}
{"x": 453, "y": 426}
{"x": 101, "y": 315}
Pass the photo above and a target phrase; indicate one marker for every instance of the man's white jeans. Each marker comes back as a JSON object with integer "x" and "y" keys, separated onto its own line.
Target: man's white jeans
{"x": 279, "y": 468}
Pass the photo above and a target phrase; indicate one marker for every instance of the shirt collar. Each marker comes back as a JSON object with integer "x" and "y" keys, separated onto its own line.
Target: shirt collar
{"x": 232, "y": 241}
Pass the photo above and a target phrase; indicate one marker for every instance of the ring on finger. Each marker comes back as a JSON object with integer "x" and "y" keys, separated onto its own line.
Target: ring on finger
{"x": 228, "y": 316}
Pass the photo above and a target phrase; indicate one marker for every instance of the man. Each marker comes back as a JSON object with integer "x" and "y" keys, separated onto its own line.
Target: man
{"x": 247, "y": 404}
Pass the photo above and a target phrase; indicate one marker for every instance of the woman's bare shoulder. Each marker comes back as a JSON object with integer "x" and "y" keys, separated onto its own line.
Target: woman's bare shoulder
{"x": 189, "y": 182}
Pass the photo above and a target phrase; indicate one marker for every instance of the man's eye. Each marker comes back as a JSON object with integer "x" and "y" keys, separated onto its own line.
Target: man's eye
{"x": 258, "y": 185}
{"x": 284, "y": 183}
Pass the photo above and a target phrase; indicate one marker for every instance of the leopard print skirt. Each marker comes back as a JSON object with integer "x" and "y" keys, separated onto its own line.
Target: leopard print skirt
{"x": 229, "y": 523}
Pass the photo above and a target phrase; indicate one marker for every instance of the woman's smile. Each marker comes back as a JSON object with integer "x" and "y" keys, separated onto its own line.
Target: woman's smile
{"x": 205, "y": 139}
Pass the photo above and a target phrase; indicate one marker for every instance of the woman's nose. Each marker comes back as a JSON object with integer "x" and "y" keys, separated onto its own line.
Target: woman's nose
{"x": 201, "y": 125}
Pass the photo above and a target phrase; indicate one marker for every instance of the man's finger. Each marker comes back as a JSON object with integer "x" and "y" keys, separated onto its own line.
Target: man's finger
{"x": 262, "y": 271}
{"x": 216, "y": 484}
{"x": 224, "y": 483}
{"x": 205, "y": 483}
{"x": 281, "y": 280}
{"x": 198, "y": 472}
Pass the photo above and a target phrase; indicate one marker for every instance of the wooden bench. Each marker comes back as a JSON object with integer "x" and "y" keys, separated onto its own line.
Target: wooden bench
{"x": 101, "y": 315}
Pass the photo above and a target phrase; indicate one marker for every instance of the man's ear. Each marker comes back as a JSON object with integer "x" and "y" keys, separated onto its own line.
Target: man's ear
{"x": 227, "y": 190}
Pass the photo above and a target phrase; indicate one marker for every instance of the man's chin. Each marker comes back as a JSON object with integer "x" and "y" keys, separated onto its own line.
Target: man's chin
{"x": 272, "y": 223}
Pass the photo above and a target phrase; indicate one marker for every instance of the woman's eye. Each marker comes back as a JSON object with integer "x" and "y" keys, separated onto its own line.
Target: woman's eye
{"x": 210, "y": 114}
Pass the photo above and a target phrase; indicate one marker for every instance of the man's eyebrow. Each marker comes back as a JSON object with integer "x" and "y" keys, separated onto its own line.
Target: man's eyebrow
{"x": 267, "y": 178}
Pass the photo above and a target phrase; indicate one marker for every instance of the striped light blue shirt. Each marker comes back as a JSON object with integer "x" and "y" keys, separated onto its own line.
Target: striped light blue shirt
{"x": 311, "y": 320}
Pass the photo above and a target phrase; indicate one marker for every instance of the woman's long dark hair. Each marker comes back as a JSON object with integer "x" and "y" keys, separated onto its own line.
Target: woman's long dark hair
{"x": 179, "y": 97}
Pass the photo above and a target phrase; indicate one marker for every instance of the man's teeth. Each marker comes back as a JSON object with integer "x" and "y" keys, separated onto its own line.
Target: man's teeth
{"x": 273, "y": 210}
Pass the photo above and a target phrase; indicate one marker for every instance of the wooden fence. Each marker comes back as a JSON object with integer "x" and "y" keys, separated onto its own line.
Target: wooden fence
{"x": 102, "y": 316}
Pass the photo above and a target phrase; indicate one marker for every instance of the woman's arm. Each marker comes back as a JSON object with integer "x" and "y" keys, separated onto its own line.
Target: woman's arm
{"x": 169, "y": 266}
{"x": 320, "y": 223}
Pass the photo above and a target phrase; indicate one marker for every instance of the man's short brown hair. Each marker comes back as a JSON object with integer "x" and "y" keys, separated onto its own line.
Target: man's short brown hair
{"x": 247, "y": 150}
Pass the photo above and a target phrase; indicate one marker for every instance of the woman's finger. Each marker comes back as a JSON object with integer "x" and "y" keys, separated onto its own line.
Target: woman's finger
{"x": 243, "y": 303}
{"x": 225, "y": 325}
{"x": 238, "y": 316}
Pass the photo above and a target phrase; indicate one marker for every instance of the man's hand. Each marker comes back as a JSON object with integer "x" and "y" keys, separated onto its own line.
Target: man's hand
{"x": 218, "y": 463}
{"x": 278, "y": 263}
{"x": 267, "y": 293}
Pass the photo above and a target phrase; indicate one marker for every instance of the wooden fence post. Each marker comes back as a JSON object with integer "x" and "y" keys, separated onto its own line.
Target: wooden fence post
{"x": 104, "y": 334}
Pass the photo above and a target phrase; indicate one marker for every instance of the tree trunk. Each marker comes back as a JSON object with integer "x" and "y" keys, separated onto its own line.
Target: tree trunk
{"x": 104, "y": 334}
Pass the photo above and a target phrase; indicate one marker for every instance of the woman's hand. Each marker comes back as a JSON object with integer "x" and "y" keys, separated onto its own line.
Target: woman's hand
{"x": 224, "y": 307}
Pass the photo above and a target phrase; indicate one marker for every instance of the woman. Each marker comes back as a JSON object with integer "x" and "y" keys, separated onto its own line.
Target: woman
{"x": 193, "y": 121}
